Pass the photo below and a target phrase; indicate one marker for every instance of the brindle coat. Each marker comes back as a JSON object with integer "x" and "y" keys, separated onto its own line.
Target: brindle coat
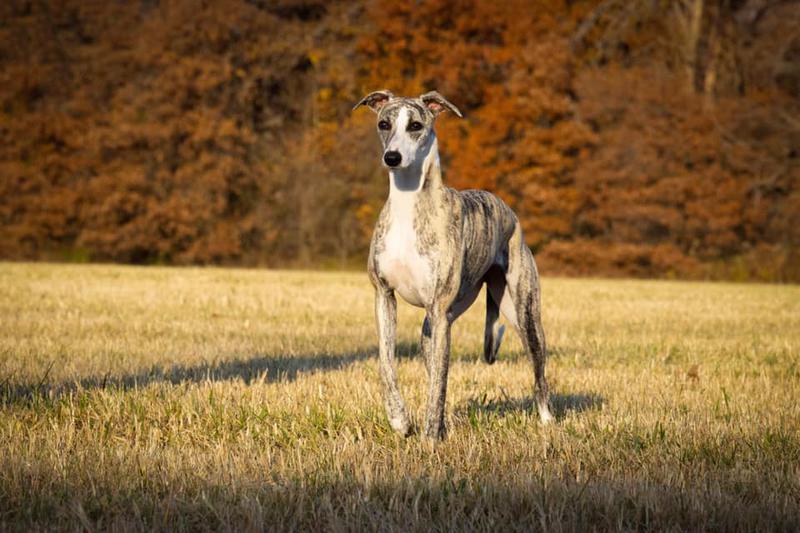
{"x": 436, "y": 247}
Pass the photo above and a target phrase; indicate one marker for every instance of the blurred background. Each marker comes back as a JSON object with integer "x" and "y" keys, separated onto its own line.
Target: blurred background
{"x": 632, "y": 137}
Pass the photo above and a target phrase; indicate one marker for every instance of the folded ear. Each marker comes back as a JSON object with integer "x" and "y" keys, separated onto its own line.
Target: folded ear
{"x": 375, "y": 100}
{"x": 437, "y": 103}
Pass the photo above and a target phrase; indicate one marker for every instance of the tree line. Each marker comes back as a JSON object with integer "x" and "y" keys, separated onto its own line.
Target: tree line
{"x": 632, "y": 137}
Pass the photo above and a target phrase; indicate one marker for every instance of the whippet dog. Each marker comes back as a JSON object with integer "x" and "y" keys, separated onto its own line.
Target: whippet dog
{"x": 437, "y": 247}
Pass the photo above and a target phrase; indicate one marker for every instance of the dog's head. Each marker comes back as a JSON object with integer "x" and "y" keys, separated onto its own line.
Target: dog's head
{"x": 405, "y": 125}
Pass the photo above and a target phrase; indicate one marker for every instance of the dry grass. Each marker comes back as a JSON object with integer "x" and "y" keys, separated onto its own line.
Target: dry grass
{"x": 154, "y": 398}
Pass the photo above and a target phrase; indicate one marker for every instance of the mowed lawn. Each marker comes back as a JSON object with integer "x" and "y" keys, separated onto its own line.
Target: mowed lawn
{"x": 194, "y": 399}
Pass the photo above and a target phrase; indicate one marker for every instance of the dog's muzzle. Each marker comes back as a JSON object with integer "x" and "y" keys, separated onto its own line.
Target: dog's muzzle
{"x": 392, "y": 159}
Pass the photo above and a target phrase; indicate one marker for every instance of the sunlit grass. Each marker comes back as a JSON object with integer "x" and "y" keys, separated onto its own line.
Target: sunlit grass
{"x": 157, "y": 398}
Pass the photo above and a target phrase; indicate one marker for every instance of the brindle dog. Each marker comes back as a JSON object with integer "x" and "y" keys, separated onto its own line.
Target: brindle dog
{"x": 436, "y": 247}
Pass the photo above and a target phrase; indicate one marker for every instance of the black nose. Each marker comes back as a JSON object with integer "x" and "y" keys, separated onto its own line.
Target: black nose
{"x": 392, "y": 158}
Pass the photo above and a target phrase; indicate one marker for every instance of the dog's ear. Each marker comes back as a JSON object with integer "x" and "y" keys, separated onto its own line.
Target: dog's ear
{"x": 437, "y": 103}
{"x": 375, "y": 100}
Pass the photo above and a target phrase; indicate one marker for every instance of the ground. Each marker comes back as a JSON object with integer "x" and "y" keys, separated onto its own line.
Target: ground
{"x": 199, "y": 398}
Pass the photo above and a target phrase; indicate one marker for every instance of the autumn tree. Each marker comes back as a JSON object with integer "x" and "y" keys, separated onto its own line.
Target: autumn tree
{"x": 632, "y": 137}
{"x": 695, "y": 161}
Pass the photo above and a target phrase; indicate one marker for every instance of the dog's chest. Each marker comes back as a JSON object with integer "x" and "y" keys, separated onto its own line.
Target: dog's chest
{"x": 404, "y": 268}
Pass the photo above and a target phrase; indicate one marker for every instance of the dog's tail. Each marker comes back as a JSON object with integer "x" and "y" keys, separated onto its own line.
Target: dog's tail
{"x": 493, "y": 335}
{"x": 491, "y": 345}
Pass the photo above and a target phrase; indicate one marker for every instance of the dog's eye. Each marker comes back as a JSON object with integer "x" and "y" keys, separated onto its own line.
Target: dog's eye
{"x": 414, "y": 126}
{"x": 384, "y": 125}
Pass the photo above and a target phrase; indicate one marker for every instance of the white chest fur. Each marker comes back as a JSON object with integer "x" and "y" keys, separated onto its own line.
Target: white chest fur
{"x": 400, "y": 264}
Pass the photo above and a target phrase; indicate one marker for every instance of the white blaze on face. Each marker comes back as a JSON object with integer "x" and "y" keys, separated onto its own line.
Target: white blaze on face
{"x": 401, "y": 141}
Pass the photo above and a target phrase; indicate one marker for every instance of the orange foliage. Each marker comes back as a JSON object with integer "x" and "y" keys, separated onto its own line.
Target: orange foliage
{"x": 221, "y": 132}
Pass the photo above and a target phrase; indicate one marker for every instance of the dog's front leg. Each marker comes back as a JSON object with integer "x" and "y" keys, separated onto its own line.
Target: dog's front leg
{"x": 438, "y": 362}
{"x": 386, "y": 314}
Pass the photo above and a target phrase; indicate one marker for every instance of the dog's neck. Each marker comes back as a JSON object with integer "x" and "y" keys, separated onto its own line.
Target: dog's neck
{"x": 424, "y": 176}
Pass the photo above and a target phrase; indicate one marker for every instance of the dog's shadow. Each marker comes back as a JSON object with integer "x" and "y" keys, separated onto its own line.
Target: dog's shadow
{"x": 560, "y": 404}
{"x": 407, "y": 349}
{"x": 251, "y": 369}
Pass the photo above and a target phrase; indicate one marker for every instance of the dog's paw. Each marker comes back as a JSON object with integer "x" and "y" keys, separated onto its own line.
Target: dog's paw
{"x": 545, "y": 417}
{"x": 401, "y": 425}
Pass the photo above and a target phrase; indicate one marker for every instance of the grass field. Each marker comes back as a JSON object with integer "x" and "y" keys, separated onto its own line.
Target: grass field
{"x": 160, "y": 398}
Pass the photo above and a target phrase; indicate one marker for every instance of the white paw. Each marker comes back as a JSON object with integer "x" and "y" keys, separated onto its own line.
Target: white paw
{"x": 400, "y": 424}
{"x": 545, "y": 416}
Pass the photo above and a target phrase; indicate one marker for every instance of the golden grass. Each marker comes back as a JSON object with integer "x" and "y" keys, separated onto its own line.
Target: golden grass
{"x": 159, "y": 398}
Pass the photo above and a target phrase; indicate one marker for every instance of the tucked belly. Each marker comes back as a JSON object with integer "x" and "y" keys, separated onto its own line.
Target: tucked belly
{"x": 409, "y": 274}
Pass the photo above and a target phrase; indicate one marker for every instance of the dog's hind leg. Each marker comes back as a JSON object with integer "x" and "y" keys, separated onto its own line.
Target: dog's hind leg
{"x": 425, "y": 344}
{"x": 522, "y": 289}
